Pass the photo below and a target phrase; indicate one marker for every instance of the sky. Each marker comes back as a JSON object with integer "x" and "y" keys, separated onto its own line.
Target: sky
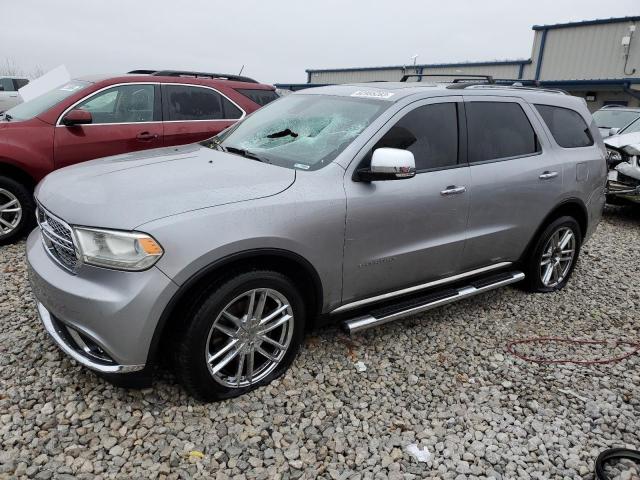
{"x": 276, "y": 40}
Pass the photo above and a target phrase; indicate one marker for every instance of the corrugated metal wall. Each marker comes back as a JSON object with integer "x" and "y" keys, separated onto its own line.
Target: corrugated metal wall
{"x": 354, "y": 76}
{"x": 588, "y": 52}
{"x": 574, "y": 52}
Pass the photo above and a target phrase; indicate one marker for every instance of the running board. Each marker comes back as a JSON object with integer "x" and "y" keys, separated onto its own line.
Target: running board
{"x": 437, "y": 299}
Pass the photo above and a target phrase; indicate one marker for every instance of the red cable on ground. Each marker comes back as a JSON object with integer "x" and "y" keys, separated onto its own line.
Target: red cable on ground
{"x": 510, "y": 349}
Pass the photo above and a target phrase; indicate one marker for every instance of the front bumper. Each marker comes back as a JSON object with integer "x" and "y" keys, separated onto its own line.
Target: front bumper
{"x": 104, "y": 319}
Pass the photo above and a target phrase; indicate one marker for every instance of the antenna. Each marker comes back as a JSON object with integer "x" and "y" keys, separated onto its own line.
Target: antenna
{"x": 240, "y": 72}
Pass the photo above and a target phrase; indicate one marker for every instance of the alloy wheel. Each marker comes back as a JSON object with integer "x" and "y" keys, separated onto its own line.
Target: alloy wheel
{"x": 557, "y": 257}
{"x": 10, "y": 212}
{"x": 249, "y": 338}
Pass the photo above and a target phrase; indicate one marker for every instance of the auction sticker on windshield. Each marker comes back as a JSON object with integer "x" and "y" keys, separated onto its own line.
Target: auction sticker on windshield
{"x": 372, "y": 94}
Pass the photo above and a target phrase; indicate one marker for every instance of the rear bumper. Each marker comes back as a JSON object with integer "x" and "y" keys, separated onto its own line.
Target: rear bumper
{"x": 104, "y": 319}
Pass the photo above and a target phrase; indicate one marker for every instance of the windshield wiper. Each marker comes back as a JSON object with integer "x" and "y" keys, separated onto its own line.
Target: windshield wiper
{"x": 6, "y": 116}
{"x": 244, "y": 153}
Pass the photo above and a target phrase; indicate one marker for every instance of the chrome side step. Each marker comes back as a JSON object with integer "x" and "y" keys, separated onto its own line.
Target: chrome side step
{"x": 437, "y": 299}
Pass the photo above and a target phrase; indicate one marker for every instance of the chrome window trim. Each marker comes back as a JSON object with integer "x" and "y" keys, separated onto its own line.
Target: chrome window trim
{"x": 92, "y": 94}
{"x": 396, "y": 293}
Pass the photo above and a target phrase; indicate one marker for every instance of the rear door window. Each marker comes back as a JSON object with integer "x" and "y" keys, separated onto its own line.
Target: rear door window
{"x": 184, "y": 103}
{"x": 567, "y": 126}
{"x": 429, "y": 132}
{"x": 499, "y": 130}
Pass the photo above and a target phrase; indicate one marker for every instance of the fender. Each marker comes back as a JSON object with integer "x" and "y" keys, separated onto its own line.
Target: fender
{"x": 189, "y": 285}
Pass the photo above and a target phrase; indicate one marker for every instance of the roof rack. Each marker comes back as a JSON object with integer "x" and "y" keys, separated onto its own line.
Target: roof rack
{"x": 517, "y": 87}
{"x": 508, "y": 83}
{"x": 181, "y": 73}
{"x": 142, "y": 72}
{"x": 458, "y": 78}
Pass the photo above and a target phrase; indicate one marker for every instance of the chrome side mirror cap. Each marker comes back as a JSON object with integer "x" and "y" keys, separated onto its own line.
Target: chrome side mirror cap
{"x": 389, "y": 164}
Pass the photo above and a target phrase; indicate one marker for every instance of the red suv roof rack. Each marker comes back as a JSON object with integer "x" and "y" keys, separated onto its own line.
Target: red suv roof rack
{"x": 183, "y": 73}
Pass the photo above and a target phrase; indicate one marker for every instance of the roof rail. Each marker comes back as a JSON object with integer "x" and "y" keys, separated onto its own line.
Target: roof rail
{"x": 518, "y": 82}
{"x": 182, "y": 73}
{"x": 142, "y": 72}
{"x": 458, "y": 78}
{"x": 509, "y": 87}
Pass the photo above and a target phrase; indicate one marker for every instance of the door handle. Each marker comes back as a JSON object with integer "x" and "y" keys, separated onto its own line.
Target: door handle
{"x": 147, "y": 136}
{"x": 547, "y": 175}
{"x": 453, "y": 190}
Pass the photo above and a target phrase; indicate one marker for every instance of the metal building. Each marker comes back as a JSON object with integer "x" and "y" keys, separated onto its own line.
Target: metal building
{"x": 596, "y": 59}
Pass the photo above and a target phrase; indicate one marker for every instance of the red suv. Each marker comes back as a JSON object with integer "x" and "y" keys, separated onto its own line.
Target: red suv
{"x": 100, "y": 116}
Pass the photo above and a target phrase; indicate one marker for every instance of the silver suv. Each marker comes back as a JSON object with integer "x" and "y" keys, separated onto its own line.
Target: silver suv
{"x": 357, "y": 204}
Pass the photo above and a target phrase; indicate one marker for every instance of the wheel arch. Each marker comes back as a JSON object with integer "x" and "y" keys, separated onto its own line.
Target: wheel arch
{"x": 300, "y": 270}
{"x": 9, "y": 169}
{"x": 573, "y": 207}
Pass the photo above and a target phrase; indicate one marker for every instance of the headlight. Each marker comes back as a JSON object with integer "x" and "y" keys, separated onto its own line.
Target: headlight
{"x": 613, "y": 156}
{"x": 117, "y": 250}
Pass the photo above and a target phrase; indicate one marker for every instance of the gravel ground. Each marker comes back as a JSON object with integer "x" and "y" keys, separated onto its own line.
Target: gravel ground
{"x": 441, "y": 381}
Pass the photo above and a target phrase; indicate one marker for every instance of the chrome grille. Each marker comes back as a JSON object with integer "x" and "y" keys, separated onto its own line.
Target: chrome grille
{"x": 57, "y": 238}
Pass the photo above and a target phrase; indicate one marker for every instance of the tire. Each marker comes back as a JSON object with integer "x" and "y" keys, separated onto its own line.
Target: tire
{"x": 217, "y": 380}
{"x": 14, "y": 224}
{"x": 538, "y": 278}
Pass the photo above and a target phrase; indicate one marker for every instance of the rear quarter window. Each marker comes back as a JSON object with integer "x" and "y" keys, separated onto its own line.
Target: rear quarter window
{"x": 567, "y": 126}
{"x": 261, "y": 97}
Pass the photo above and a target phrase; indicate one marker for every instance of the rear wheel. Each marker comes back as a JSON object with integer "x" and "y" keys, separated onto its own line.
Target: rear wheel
{"x": 554, "y": 255}
{"x": 17, "y": 210}
{"x": 241, "y": 335}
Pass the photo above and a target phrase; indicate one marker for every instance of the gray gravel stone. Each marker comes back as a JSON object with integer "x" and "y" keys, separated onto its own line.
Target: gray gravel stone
{"x": 440, "y": 380}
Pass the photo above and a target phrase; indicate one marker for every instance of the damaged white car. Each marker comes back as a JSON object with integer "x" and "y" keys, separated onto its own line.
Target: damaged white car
{"x": 623, "y": 158}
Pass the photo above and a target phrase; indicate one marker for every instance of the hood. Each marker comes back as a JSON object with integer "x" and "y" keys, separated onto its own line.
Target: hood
{"x": 125, "y": 191}
{"x": 630, "y": 142}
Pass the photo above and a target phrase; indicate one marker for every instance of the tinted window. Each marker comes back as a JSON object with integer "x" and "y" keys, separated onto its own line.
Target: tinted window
{"x": 20, "y": 82}
{"x": 122, "y": 104}
{"x": 261, "y": 97}
{"x": 498, "y": 130}
{"x": 429, "y": 132}
{"x": 567, "y": 127}
{"x": 182, "y": 102}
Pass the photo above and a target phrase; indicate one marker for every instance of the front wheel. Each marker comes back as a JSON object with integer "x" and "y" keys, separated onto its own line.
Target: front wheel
{"x": 240, "y": 335}
{"x": 554, "y": 255}
{"x": 17, "y": 210}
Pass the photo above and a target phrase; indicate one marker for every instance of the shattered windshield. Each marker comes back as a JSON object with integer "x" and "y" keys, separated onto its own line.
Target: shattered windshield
{"x": 305, "y": 132}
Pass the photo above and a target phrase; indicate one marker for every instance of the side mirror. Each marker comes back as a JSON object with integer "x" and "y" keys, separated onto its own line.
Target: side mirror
{"x": 389, "y": 164}
{"x": 77, "y": 116}
{"x": 614, "y": 131}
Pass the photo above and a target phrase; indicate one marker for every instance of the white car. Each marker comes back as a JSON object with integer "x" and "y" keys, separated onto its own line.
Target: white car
{"x": 9, "y": 96}
{"x": 612, "y": 119}
{"x": 623, "y": 158}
